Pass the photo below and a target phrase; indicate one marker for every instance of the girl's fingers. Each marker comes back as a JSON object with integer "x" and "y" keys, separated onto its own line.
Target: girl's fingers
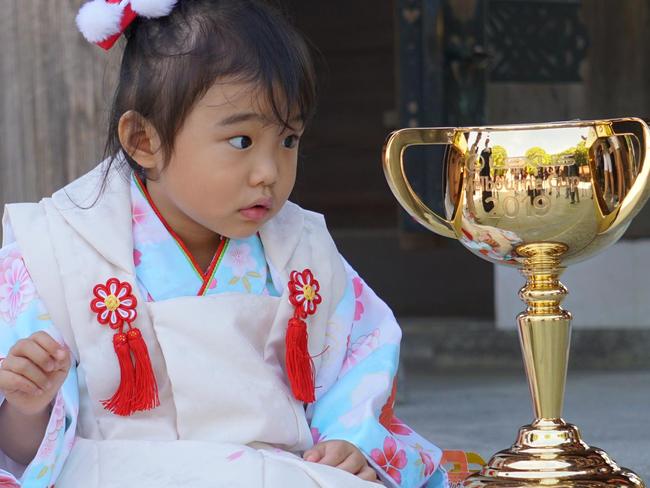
{"x": 314, "y": 454}
{"x": 27, "y": 369}
{"x": 64, "y": 359}
{"x": 32, "y": 350}
{"x": 11, "y": 382}
{"x": 354, "y": 463}
{"x": 55, "y": 349}
{"x": 367, "y": 474}
{"x": 335, "y": 454}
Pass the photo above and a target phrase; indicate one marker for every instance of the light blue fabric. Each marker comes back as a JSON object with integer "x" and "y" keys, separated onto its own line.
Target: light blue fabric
{"x": 355, "y": 383}
{"x": 22, "y": 314}
{"x": 358, "y": 407}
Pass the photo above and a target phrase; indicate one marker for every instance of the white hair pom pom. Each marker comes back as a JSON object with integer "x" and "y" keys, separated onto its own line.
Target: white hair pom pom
{"x": 98, "y": 20}
{"x": 153, "y": 8}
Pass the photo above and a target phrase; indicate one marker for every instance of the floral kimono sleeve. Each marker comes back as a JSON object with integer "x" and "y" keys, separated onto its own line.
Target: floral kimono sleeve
{"x": 21, "y": 314}
{"x": 356, "y": 388}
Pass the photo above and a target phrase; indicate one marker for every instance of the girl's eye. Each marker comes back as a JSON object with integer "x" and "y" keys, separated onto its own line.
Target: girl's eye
{"x": 291, "y": 141}
{"x": 240, "y": 142}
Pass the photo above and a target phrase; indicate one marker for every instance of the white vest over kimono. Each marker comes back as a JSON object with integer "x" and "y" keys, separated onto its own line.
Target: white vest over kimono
{"x": 226, "y": 416}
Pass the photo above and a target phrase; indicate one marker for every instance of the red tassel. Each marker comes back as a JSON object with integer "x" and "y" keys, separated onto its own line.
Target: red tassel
{"x": 146, "y": 389}
{"x": 121, "y": 402}
{"x": 300, "y": 367}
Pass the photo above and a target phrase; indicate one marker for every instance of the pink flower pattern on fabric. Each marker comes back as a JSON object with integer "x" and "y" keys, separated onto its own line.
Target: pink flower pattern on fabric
{"x": 235, "y": 455}
{"x": 56, "y": 425}
{"x": 240, "y": 259}
{"x": 317, "y": 436}
{"x": 391, "y": 460}
{"x": 8, "y": 482}
{"x": 147, "y": 228}
{"x": 396, "y": 426}
{"x": 360, "y": 349}
{"x": 358, "y": 304}
{"x": 16, "y": 288}
{"x": 429, "y": 465}
{"x": 387, "y": 416}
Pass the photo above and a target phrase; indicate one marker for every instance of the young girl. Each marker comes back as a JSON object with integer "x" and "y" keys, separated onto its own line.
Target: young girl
{"x": 170, "y": 319}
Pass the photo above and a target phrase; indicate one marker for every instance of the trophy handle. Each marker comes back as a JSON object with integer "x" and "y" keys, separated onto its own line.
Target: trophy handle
{"x": 640, "y": 189}
{"x": 393, "y": 162}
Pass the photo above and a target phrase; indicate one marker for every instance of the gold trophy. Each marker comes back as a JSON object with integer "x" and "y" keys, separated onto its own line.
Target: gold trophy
{"x": 537, "y": 197}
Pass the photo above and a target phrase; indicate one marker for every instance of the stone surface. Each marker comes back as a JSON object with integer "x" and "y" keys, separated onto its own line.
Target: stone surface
{"x": 482, "y": 410}
{"x": 439, "y": 342}
{"x": 607, "y": 291}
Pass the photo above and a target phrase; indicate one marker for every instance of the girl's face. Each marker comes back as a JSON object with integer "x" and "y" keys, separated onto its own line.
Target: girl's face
{"x": 233, "y": 166}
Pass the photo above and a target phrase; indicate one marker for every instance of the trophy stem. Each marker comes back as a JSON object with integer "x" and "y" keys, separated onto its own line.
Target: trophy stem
{"x": 549, "y": 452}
{"x": 544, "y": 328}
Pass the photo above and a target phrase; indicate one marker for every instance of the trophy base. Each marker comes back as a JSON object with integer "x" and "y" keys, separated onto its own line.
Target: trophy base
{"x": 550, "y": 453}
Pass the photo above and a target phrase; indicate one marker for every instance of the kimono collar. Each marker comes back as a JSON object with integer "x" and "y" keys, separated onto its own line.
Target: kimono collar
{"x": 106, "y": 222}
{"x": 280, "y": 237}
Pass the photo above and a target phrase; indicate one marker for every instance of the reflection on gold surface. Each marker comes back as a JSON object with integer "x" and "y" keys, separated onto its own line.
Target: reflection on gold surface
{"x": 577, "y": 183}
{"x": 537, "y": 197}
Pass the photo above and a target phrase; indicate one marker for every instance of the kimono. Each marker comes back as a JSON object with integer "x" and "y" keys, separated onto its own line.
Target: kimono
{"x": 216, "y": 341}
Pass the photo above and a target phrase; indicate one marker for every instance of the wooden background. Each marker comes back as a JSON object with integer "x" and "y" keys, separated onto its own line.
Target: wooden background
{"x": 616, "y": 73}
{"x": 56, "y": 89}
{"x": 54, "y": 93}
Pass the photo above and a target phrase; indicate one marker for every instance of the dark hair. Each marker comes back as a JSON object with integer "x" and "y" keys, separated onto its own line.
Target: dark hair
{"x": 169, "y": 63}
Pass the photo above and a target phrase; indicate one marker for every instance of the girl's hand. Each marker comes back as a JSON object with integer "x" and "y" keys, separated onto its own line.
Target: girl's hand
{"x": 32, "y": 373}
{"x": 342, "y": 455}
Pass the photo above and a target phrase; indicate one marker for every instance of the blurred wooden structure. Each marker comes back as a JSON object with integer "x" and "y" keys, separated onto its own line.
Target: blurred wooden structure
{"x": 55, "y": 90}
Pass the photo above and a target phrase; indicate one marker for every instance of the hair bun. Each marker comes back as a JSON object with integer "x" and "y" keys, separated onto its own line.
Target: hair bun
{"x": 98, "y": 20}
{"x": 153, "y": 8}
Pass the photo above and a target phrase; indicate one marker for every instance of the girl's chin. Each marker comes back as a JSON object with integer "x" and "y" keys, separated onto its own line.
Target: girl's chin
{"x": 241, "y": 226}
{"x": 242, "y": 230}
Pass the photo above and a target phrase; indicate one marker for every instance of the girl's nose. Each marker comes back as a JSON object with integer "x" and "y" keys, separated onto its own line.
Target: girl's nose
{"x": 265, "y": 171}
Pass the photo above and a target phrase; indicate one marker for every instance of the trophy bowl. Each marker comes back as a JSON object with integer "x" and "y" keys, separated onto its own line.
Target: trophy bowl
{"x": 537, "y": 197}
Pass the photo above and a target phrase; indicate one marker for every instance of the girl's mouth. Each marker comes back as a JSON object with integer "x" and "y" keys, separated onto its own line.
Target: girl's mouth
{"x": 255, "y": 213}
{"x": 258, "y": 211}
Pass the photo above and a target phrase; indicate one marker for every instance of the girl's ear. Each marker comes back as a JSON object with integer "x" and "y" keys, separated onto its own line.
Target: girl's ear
{"x": 140, "y": 140}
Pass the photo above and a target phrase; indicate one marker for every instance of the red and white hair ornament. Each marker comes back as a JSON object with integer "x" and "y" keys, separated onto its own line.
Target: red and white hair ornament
{"x": 102, "y": 22}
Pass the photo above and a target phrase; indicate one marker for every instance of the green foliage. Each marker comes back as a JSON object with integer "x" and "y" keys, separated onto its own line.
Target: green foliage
{"x": 538, "y": 156}
{"x": 580, "y": 154}
{"x": 499, "y": 155}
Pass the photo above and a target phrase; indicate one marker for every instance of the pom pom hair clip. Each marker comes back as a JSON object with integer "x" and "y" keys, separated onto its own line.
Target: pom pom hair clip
{"x": 102, "y": 22}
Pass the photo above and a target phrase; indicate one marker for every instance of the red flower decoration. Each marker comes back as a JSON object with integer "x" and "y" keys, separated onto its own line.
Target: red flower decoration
{"x": 114, "y": 303}
{"x": 390, "y": 460}
{"x": 115, "y": 306}
{"x": 303, "y": 288}
{"x": 303, "y": 295}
